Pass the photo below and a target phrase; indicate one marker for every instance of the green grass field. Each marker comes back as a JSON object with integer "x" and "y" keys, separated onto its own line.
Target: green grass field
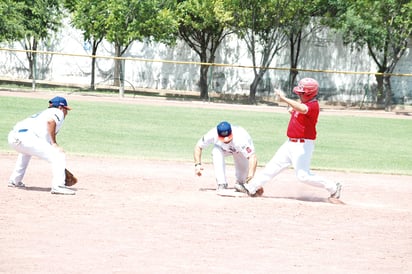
{"x": 346, "y": 143}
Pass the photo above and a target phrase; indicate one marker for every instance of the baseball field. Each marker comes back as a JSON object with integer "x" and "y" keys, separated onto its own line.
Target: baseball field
{"x": 140, "y": 209}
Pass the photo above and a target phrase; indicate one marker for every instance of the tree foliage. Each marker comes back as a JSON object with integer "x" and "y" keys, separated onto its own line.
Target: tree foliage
{"x": 136, "y": 20}
{"x": 203, "y": 25}
{"x": 40, "y": 19}
{"x": 261, "y": 25}
{"x": 304, "y": 16}
{"x": 384, "y": 27}
{"x": 89, "y": 17}
{"x": 11, "y": 25}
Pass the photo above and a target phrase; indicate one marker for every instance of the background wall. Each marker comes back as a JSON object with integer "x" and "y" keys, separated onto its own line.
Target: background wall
{"x": 322, "y": 51}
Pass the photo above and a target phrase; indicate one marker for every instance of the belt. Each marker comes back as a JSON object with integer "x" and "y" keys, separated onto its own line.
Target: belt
{"x": 297, "y": 140}
{"x": 22, "y": 130}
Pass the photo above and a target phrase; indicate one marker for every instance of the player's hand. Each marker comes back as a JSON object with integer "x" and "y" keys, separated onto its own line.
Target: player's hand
{"x": 279, "y": 94}
{"x": 198, "y": 169}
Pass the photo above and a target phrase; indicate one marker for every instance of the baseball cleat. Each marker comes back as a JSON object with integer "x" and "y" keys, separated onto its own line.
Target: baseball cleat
{"x": 62, "y": 191}
{"x": 336, "y": 195}
{"x": 221, "y": 186}
{"x": 241, "y": 188}
{"x": 19, "y": 184}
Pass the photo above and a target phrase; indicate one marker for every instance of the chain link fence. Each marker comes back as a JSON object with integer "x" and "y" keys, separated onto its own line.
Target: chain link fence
{"x": 160, "y": 69}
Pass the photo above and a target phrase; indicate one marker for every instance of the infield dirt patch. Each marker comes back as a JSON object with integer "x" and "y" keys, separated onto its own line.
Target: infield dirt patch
{"x": 132, "y": 216}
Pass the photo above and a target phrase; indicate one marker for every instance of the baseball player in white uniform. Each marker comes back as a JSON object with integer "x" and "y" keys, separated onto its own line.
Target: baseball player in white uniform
{"x": 36, "y": 136}
{"x": 232, "y": 141}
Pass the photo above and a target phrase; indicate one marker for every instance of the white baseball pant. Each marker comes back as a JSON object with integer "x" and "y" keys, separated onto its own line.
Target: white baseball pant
{"x": 28, "y": 144}
{"x": 297, "y": 154}
{"x": 241, "y": 165}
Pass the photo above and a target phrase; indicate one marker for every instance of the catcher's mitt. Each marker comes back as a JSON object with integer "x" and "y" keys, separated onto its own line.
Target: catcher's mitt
{"x": 70, "y": 178}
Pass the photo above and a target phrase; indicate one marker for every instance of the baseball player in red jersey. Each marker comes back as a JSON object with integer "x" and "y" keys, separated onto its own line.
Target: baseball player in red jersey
{"x": 298, "y": 149}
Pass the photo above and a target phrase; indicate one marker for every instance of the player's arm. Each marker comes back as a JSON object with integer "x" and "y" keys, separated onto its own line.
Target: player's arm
{"x": 299, "y": 107}
{"x": 51, "y": 129}
{"x": 197, "y": 156}
{"x": 252, "y": 166}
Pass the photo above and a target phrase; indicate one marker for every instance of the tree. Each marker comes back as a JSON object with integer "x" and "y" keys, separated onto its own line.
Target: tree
{"x": 89, "y": 16}
{"x": 11, "y": 26}
{"x": 136, "y": 20}
{"x": 40, "y": 19}
{"x": 303, "y": 23}
{"x": 260, "y": 24}
{"x": 384, "y": 27}
{"x": 203, "y": 24}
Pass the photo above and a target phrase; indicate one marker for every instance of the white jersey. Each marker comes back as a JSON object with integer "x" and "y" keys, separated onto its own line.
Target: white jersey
{"x": 241, "y": 142}
{"x": 37, "y": 123}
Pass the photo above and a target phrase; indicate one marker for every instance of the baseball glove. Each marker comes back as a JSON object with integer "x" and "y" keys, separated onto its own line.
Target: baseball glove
{"x": 70, "y": 178}
{"x": 259, "y": 192}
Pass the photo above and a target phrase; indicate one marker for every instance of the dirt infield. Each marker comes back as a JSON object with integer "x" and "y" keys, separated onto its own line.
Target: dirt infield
{"x": 132, "y": 216}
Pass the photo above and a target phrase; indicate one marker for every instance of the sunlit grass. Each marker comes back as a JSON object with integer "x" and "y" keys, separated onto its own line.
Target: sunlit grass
{"x": 347, "y": 143}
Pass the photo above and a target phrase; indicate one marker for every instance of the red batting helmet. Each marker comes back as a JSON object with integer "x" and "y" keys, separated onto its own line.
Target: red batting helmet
{"x": 308, "y": 86}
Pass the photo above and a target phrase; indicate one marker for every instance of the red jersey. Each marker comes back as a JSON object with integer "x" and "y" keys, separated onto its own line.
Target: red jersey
{"x": 304, "y": 125}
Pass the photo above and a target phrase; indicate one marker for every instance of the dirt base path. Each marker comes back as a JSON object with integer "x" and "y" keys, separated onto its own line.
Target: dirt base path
{"x": 131, "y": 216}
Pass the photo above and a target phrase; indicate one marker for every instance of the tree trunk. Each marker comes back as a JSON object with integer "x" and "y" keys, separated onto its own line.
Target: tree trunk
{"x": 121, "y": 77}
{"x": 379, "y": 90}
{"x": 93, "y": 74}
{"x": 92, "y": 78}
{"x": 34, "y": 72}
{"x": 293, "y": 74}
{"x": 295, "y": 41}
{"x": 388, "y": 92}
{"x": 31, "y": 56}
{"x": 31, "y": 65}
{"x": 117, "y": 64}
{"x": 254, "y": 86}
{"x": 252, "y": 92}
{"x": 203, "y": 86}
